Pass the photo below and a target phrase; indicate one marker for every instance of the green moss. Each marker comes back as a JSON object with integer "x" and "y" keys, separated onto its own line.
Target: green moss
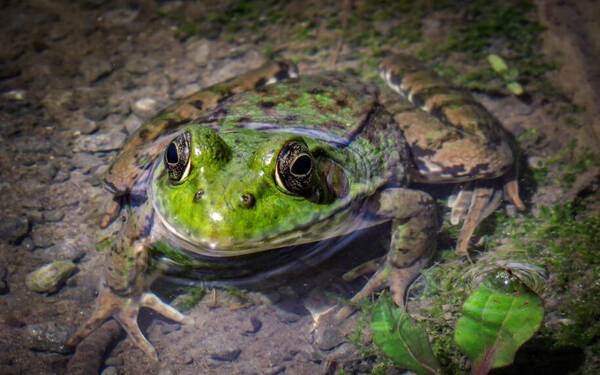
{"x": 190, "y": 298}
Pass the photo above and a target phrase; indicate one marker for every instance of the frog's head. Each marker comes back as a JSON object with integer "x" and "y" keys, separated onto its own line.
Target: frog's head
{"x": 244, "y": 191}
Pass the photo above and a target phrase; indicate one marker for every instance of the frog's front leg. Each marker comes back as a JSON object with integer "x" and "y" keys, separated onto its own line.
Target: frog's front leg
{"x": 124, "y": 293}
{"x": 415, "y": 225}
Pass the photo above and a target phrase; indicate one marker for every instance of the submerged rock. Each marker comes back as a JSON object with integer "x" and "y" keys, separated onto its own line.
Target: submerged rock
{"x": 46, "y": 337}
{"x": 50, "y": 277}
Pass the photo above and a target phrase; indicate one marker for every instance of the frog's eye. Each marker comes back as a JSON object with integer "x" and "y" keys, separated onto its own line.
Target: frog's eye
{"x": 293, "y": 172}
{"x": 177, "y": 158}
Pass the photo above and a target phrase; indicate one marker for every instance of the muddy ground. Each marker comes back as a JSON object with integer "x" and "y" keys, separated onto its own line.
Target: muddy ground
{"x": 77, "y": 77}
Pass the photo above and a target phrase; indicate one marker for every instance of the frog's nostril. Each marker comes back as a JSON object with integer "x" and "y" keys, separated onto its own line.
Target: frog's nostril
{"x": 198, "y": 195}
{"x": 247, "y": 200}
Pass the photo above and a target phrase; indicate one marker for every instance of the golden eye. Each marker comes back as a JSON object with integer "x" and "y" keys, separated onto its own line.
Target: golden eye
{"x": 294, "y": 169}
{"x": 177, "y": 158}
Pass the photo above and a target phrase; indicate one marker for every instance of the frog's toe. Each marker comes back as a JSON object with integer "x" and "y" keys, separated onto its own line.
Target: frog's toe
{"x": 106, "y": 307}
{"x": 128, "y": 320}
{"x": 151, "y": 301}
{"x": 126, "y": 310}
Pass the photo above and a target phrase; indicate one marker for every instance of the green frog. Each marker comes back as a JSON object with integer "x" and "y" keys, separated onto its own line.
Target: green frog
{"x": 229, "y": 181}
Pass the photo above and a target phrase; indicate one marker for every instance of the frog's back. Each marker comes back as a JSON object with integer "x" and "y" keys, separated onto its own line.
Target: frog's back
{"x": 332, "y": 106}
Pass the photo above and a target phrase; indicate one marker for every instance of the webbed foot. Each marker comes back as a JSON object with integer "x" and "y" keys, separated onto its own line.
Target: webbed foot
{"x": 125, "y": 310}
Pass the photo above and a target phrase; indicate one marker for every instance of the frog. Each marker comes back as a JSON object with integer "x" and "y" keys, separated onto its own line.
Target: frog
{"x": 226, "y": 183}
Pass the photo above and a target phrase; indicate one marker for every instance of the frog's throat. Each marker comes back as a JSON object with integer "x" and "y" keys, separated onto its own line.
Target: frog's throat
{"x": 340, "y": 222}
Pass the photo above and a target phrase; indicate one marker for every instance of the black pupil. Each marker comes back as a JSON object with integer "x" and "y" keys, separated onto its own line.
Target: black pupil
{"x": 301, "y": 165}
{"x": 172, "y": 157}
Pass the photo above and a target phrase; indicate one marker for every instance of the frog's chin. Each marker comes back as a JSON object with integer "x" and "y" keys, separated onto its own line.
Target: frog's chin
{"x": 339, "y": 223}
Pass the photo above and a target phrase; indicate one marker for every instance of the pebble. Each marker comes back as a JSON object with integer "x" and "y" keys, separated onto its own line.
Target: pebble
{"x": 118, "y": 17}
{"x": 53, "y": 216}
{"x": 110, "y": 370}
{"x": 3, "y": 283}
{"x": 535, "y": 162}
{"x": 16, "y": 95}
{"x": 132, "y": 122}
{"x": 140, "y": 64}
{"x": 145, "y": 107}
{"x": 46, "y": 337}
{"x": 93, "y": 68}
{"x": 96, "y": 113}
{"x": 14, "y": 227}
{"x": 50, "y": 277}
{"x": 42, "y": 238}
{"x": 226, "y": 354}
{"x": 198, "y": 51}
{"x": 256, "y": 326}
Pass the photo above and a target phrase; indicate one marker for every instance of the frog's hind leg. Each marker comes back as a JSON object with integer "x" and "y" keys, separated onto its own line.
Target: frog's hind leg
{"x": 453, "y": 139}
{"x": 414, "y": 229}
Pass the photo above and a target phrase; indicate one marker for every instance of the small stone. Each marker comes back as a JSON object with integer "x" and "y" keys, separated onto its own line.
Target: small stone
{"x": 132, "y": 123}
{"x": 50, "y": 277}
{"x": 140, "y": 64}
{"x": 88, "y": 127}
{"x": 114, "y": 361}
{"x": 14, "y": 228}
{"x": 96, "y": 113}
{"x": 118, "y": 17}
{"x": 110, "y": 370}
{"x": 62, "y": 176}
{"x": 27, "y": 244}
{"x": 47, "y": 172}
{"x": 93, "y": 68}
{"x": 535, "y": 162}
{"x": 256, "y": 326}
{"x": 3, "y": 283}
{"x": 53, "y": 216}
{"x": 165, "y": 371}
{"x": 41, "y": 238}
{"x": 46, "y": 337}
{"x": 16, "y": 95}
{"x": 198, "y": 51}
{"x": 226, "y": 355}
{"x": 144, "y": 107}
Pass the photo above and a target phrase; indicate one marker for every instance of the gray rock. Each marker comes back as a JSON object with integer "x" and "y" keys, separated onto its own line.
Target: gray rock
{"x": 62, "y": 176}
{"x": 50, "y": 277}
{"x": 42, "y": 238}
{"x": 93, "y": 68}
{"x": 132, "y": 123}
{"x": 226, "y": 354}
{"x": 118, "y": 17}
{"x": 140, "y": 64}
{"x": 53, "y": 216}
{"x": 27, "y": 244}
{"x": 46, "y": 337}
{"x": 3, "y": 283}
{"x": 198, "y": 51}
{"x": 13, "y": 228}
{"x": 145, "y": 107}
{"x": 110, "y": 370}
{"x": 96, "y": 113}
{"x": 46, "y": 172}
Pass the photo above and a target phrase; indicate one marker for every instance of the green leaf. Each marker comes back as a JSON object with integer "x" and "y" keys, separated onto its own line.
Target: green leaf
{"x": 500, "y": 315}
{"x": 497, "y": 63}
{"x": 515, "y": 88}
{"x": 401, "y": 339}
